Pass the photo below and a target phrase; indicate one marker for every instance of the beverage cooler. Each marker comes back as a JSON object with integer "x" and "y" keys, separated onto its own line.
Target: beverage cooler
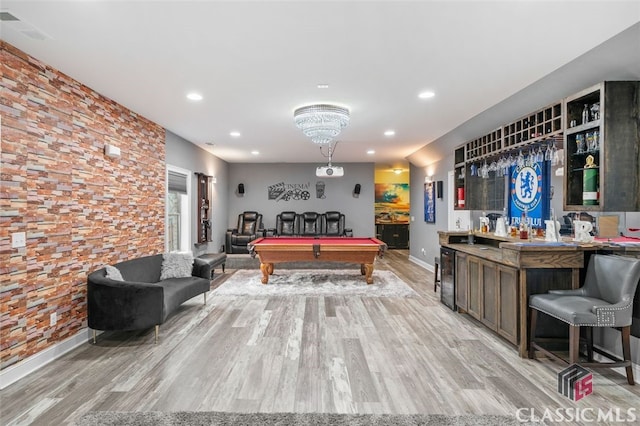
{"x": 447, "y": 277}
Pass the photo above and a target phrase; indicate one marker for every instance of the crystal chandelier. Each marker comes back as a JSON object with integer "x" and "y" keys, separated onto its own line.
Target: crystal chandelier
{"x": 321, "y": 123}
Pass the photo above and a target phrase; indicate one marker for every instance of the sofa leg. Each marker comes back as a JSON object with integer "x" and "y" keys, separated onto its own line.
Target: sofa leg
{"x": 94, "y": 337}
{"x": 205, "y": 298}
{"x": 157, "y": 332}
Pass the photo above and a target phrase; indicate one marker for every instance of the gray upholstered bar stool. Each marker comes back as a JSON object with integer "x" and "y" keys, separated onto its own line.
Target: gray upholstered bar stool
{"x": 605, "y": 300}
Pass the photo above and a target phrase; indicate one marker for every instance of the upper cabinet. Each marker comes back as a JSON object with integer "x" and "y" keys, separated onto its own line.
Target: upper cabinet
{"x": 602, "y": 148}
{"x": 599, "y": 128}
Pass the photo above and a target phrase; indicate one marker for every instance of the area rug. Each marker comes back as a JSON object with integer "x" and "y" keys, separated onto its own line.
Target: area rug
{"x": 111, "y": 418}
{"x": 314, "y": 282}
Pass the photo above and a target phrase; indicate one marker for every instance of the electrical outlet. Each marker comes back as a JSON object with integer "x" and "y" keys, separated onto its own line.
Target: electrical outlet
{"x": 18, "y": 239}
{"x": 53, "y": 318}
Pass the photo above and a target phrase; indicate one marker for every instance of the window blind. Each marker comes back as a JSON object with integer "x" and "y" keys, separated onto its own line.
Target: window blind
{"x": 177, "y": 182}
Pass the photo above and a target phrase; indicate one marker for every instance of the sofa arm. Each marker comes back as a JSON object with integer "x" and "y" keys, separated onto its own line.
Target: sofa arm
{"x": 122, "y": 305}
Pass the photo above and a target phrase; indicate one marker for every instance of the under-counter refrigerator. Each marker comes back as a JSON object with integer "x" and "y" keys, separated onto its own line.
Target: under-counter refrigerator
{"x": 447, "y": 277}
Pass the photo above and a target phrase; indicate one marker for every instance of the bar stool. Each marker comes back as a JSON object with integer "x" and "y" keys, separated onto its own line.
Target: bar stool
{"x": 605, "y": 300}
{"x": 436, "y": 267}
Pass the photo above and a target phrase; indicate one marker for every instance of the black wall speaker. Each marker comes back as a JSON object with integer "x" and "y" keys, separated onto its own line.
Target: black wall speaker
{"x": 439, "y": 190}
{"x": 241, "y": 188}
{"x": 356, "y": 189}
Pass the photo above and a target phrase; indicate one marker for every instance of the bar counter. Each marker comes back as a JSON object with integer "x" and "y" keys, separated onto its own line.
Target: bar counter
{"x": 494, "y": 276}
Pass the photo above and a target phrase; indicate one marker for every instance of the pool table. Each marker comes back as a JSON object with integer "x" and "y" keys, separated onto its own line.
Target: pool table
{"x": 272, "y": 250}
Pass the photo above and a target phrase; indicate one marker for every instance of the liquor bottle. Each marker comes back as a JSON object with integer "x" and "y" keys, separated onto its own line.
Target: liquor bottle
{"x": 524, "y": 228}
{"x": 585, "y": 114}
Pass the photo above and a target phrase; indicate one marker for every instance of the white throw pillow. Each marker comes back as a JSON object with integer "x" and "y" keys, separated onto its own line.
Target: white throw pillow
{"x": 176, "y": 265}
{"x": 114, "y": 273}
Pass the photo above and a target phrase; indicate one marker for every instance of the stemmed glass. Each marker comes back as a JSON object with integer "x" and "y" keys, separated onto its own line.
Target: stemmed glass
{"x": 520, "y": 160}
{"x": 539, "y": 154}
{"x": 547, "y": 153}
{"x": 484, "y": 171}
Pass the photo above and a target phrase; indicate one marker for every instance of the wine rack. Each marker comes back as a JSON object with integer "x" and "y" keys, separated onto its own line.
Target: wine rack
{"x": 203, "y": 208}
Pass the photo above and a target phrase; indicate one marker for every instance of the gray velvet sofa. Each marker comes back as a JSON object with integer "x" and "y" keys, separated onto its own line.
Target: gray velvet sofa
{"x": 142, "y": 300}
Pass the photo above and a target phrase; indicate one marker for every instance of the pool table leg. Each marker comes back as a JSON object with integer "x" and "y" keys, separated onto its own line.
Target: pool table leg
{"x": 267, "y": 269}
{"x": 368, "y": 272}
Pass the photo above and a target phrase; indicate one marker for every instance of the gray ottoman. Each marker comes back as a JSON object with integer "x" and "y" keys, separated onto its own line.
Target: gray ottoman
{"x": 212, "y": 260}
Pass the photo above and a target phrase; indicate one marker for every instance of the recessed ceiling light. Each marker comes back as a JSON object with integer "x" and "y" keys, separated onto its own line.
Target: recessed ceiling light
{"x": 255, "y": 152}
{"x": 371, "y": 152}
{"x": 193, "y": 96}
{"x": 323, "y": 86}
{"x": 234, "y": 134}
{"x": 426, "y": 95}
{"x": 389, "y": 132}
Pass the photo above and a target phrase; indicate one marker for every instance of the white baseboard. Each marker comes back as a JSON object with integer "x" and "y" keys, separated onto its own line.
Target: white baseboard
{"x": 23, "y": 368}
{"x": 422, "y": 263}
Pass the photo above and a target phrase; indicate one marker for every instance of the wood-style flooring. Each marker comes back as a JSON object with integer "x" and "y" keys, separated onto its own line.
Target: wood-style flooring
{"x": 304, "y": 354}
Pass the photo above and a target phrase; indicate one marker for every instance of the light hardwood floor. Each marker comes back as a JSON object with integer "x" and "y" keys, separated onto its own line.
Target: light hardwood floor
{"x": 304, "y": 354}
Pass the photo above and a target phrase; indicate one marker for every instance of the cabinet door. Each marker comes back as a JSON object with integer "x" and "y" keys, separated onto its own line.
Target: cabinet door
{"x": 475, "y": 287}
{"x": 489, "y": 295}
{"x": 508, "y": 303}
{"x": 462, "y": 287}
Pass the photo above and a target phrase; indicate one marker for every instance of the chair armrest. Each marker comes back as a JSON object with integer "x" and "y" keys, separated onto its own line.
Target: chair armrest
{"x": 348, "y": 232}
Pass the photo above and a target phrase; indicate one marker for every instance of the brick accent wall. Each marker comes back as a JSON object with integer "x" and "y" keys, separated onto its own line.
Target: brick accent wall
{"x": 79, "y": 208}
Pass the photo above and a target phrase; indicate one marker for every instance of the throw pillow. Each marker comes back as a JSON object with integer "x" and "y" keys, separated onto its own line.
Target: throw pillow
{"x": 114, "y": 273}
{"x": 176, "y": 265}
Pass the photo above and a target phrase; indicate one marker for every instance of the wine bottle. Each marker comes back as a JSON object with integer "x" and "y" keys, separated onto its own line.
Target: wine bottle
{"x": 585, "y": 114}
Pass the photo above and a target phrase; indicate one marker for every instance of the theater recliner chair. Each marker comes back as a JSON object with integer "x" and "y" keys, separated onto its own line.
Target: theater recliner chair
{"x": 310, "y": 224}
{"x": 287, "y": 224}
{"x": 333, "y": 225}
{"x": 249, "y": 228}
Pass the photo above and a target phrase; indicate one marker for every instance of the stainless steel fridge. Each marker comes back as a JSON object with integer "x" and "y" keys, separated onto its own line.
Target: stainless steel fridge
{"x": 447, "y": 277}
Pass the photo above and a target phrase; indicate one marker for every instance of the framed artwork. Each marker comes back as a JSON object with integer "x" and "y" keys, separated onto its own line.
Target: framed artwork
{"x": 430, "y": 202}
{"x": 392, "y": 202}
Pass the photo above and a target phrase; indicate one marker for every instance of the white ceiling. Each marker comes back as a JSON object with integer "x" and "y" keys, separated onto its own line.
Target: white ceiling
{"x": 255, "y": 62}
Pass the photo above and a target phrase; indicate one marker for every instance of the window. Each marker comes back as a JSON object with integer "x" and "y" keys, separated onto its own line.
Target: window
{"x": 178, "y": 218}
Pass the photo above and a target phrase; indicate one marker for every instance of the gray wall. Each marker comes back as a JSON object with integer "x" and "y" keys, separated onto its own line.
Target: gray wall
{"x": 257, "y": 178}
{"x": 425, "y": 235}
{"x": 181, "y": 153}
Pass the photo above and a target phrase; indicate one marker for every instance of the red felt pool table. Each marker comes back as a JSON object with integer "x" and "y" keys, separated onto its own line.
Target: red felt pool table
{"x": 272, "y": 250}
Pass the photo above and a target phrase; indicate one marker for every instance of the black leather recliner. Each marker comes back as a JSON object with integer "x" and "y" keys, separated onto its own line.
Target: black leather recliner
{"x": 287, "y": 224}
{"x": 333, "y": 225}
{"x": 249, "y": 228}
{"x": 311, "y": 224}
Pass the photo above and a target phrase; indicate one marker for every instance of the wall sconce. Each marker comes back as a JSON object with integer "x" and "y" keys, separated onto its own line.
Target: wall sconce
{"x": 240, "y": 190}
{"x": 356, "y": 190}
